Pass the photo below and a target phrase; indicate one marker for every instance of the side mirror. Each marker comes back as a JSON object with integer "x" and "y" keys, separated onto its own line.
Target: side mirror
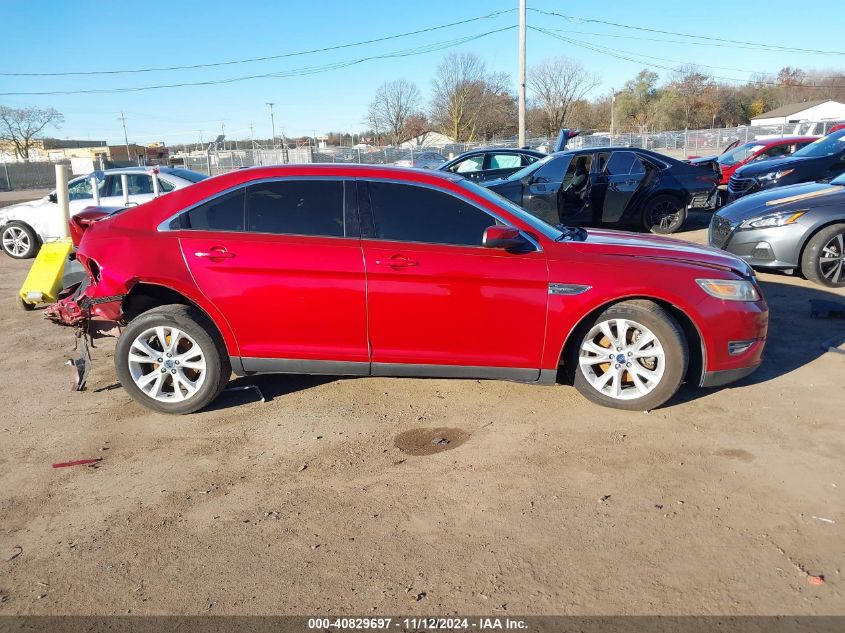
{"x": 53, "y": 198}
{"x": 525, "y": 180}
{"x": 505, "y": 237}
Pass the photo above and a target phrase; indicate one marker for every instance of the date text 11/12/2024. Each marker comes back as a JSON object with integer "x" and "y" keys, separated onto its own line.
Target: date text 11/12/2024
{"x": 418, "y": 623}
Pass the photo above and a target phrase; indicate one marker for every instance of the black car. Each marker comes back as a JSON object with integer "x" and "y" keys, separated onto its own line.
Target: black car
{"x": 491, "y": 162}
{"x": 611, "y": 185}
{"x": 822, "y": 160}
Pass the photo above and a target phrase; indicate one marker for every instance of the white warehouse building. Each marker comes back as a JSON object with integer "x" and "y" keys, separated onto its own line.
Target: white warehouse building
{"x": 822, "y": 110}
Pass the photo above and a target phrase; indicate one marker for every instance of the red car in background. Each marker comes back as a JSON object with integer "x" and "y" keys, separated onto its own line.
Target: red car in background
{"x": 735, "y": 156}
{"x": 376, "y": 271}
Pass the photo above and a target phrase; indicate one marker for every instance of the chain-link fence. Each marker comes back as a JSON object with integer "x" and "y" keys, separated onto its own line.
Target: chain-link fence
{"x": 28, "y": 175}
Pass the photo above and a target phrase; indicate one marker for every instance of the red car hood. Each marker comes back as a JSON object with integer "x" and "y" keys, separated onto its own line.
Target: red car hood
{"x": 623, "y": 244}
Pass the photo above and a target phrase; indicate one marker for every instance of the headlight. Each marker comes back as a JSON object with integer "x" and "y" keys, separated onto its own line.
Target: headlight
{"x": 775, "y": 175}
{"x": 729, "y": 289}
{"x": 781, "y": 218}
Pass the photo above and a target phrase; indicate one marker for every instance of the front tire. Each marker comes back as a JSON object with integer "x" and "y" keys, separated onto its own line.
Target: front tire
{"x": 633, "y": 356}
{"x": 664, "y": 215}
{"x": 171, "y": 359}
{"x": 823, "y": 261}
{"x": 19, "y": 241}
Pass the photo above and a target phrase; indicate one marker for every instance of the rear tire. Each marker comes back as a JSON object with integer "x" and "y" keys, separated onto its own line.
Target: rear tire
{"x": 638, "y": 371}
{"x": 19, "y": 241}
{"x": 171, "y": 359}
{"x": 664, "y": 215}
{"x": 823, "y": 261}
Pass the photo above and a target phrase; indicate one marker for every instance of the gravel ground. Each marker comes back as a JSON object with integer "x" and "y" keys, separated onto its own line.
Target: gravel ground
{"x": 328, "y": 499}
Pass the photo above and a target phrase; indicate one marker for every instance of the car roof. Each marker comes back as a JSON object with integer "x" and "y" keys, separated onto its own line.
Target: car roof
{"x": 342, "y": 170}
{"x": 502, "y": 150}
{"x": 781, "y": 140}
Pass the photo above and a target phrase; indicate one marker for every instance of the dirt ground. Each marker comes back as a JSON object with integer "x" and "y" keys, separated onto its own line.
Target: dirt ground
{"x": 722, "y": 502}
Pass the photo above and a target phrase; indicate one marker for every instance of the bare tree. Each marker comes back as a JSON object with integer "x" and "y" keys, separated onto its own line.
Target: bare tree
{"x": 20, "y": 126}
{"x": 458, "y": 95}
{"x": 391, "y": 109}
{"x": 557, "y": 83}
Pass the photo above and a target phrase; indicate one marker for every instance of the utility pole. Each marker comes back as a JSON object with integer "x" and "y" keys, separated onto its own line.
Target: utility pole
{"x": 612, "y": 108}
{"x": 125, "y": 137}
{"x": 251, "y": 137}
{"x": 521, "y": 73}
{"x": 272, "y": 123}
{"x": 223, "y": 134}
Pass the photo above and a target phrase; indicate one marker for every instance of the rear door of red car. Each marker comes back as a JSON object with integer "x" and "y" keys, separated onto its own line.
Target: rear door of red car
{"x": 281, "y": 259}
{"x": 437, "y": 297}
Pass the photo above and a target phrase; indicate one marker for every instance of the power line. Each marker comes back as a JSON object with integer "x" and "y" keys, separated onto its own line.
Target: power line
{"x": 663, "y": 40}
{"x": 700, "y": 37}
{"x": 616, "y": 54}
{"x": 666, "y": 59}
{"x": 311, "y": 70}
{"x": 259, "y": 59}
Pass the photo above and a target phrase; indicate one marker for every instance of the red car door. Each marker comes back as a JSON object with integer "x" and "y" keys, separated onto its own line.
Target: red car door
{"x": 278, "y": 259}
{"x": 437, "y": 299}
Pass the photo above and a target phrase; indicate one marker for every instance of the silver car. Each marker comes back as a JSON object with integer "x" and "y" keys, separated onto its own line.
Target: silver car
{"x": 795, "y": 228}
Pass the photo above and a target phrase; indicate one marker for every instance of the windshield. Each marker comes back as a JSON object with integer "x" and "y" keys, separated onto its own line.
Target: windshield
{"x": 739, "y": 154}
{"x": 514, "y": 209}
{"x": 825, "y": 146}
{"x": 530, "y": 169}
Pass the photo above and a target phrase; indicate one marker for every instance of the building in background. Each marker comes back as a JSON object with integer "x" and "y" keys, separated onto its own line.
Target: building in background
{"x": 821, "y": 110}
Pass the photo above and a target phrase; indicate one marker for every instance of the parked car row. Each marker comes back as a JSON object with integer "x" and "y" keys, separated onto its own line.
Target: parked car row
{"x": 789, "y": 214}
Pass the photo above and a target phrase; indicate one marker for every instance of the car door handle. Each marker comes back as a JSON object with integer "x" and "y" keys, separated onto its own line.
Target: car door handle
{"x": 397, "y": 261}
{"x": 218, "y": 252}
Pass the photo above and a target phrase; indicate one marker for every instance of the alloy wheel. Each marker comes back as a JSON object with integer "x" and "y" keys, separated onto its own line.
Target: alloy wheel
{"x": 832, "y": 259}
{"x": 167, "y": 364}
{"x": 665, "y": 215}
{"x": 622, "y": 359}
{"x": 15, "y": 241}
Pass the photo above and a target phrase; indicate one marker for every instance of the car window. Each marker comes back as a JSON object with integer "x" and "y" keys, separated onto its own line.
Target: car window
{"x": 296, "y": 207}
{"x": 551, "y": 171}
{"x": 165, "y": 185}
{"x": 527, "y": 159}
{"x": 139, "y": 184}
{"x": 112, "y": 186}
{"x": 577, "y": 174}
{"x": 620, "y": 163}
{"x": 777, "y": 150}
{"x": 637, "y": 167}
{"x": 409, "y": 213}
{"x": 505, "y": 161}
{"x": 224, "y": 213}
{"x": 473, "y": 163}
{"x": 80, "y": 190}
{"x": 601, "y": 161}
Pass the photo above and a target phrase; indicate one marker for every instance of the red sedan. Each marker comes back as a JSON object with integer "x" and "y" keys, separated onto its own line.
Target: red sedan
{"x": 736, "y": 156}
{"x": 374, "y": 271}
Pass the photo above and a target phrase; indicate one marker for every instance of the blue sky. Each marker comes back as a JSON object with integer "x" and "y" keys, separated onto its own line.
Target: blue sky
{"x": 60, "y": 36}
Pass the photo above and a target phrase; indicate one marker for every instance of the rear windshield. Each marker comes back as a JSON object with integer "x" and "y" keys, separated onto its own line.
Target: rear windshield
{"x": 187, "y": 174}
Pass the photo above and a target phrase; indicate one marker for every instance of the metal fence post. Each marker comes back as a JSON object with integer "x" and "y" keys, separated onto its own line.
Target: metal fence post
{"x": 8, "y": 182}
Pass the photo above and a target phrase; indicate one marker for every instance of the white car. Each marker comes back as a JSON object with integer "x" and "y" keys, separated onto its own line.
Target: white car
{"x": 25, "y": 226}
